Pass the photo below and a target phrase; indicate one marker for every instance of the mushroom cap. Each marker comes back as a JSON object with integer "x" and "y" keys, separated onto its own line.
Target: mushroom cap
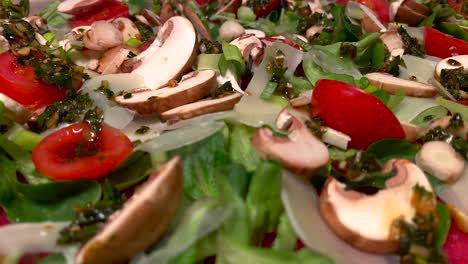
{"x": 192, "y": 87}
{"x": 301, "y": 152}
{"x": 77, "y": 7}
{"x": 102, "y": 35}
{"x": 444, "y": 123}
{"x": 391, "y": 84}
{"x": 170, "y": 55}
{"x": 127, "y": 28}
{"x": 451, "y": 63}
{"x": 410, "y": 12}
{"x": 112, "y": 60}
{"x": 141, "y": 222}
{"x": 251, "y": 47}
{"x": 202, "y": 107}
{"x": 14, "y": 110}
{"x": 365, "y": 221}
{"x": 440, "y": 159}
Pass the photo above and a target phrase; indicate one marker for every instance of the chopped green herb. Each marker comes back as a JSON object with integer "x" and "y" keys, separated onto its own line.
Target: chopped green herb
{"x": 105, "y": 89}
{"x": 412, "y": 46}
{"x": 142, "y": 130}
{"x": 455, "y": 81}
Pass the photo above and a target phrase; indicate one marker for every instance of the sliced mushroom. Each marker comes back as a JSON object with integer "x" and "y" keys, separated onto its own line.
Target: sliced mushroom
{"x": 412, "y": 132}
{"x": 314, "y": 30}
{"x": 370, "y": 22}
{"x": 14, "y": 110}
{"x": 301, "y": 152}
{"x": 197, "y": 23}
{"x": 410, "y": 12}
{"x": 202, "y": 107}
{"x": 38, "y": 23}
{"x": 392, "y": 40}
{"x": 255, "y": 32}
{"x": 251, "y": 47}
{"x": 391, "y": 84}
{"x": 77, "y": 7}
{"x": 167, "y": 11}
{"x": 141, "y": 222}
{"x": 444, "y": 122}
{"x": 192, "y": 87}
{"x": 4, "y": 44}
{"x": 365, "y": 221}
{"x": 230, "y": 30}
{"x": 112, "y": 60}
{"x": 230, "y": 7}
{"x": 127, "y": 28}
{"x": 450, "y": 64}
{"x": 440, "y": 159}
{"x": 102, "y": 35}
{"x": 170, "y": 55}
{"x": 152, "y": 19}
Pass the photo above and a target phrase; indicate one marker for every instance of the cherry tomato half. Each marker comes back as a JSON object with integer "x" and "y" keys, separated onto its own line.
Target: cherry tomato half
{"x": 55, "y": 156}
{"x": 111, "y": 9}
{"x": 354, "y": 112}
{"x": 19, "y": 83}
{"x": 456, "y": 246}
{"x": 442, "y": 45}
{"x": 380, "y": 7}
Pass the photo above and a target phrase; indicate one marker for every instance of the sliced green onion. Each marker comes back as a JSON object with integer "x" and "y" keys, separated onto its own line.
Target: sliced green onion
{"x": 231, "y": 56}
{"x": 279, "y": 100}
{"x": 454, "y": 107}
{"x": 23, "y": 137}
{"x": 133, "y": 42}
{"x": 51, "y": 38}
{"x": 269, "y": 90}
{"x": 246, "y": 13}
{"x": 208, "y": 62}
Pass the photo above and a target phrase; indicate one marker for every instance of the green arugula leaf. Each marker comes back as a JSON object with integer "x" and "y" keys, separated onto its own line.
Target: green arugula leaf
{"x": 443, "y": 228}
{"x": 427, "y": 116}
{"x": 23, "y": 162}
{"x": 390, "y": 148}
{"x": 45, "y": 202}
{"x": 240, "y": 147}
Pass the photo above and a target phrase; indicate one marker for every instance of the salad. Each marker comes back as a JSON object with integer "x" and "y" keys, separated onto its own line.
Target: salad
{"x": 258, "y": 131}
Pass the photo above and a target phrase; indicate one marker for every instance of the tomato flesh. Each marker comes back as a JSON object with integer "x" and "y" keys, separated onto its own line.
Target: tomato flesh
{"x": 442, "y": 45}
{"x": 380, "y": 7}
{"x": 456, "y": 246}
{"x": 55, "y": 155}
{"x": 19, "y": 83}
{"x": 354, "y": 112}
{"x": 108, "y": 11}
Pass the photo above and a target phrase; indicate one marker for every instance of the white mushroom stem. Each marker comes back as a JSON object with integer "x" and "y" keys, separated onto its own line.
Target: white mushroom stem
{"x": 112, "y": 60}
{"x": 365, "y": 221}
{"x": 391, "y": 84}
{"x": 251, "y": 48}
{"x": 301, "y": 152}
{"x": 14, "y": 110}
{"x": 444, "y": 123}
{"x": 451, "y": 63}
{"x": 102, "y": 35}
{"x": 440, "y": 159}
{"x": 141, "y": 222}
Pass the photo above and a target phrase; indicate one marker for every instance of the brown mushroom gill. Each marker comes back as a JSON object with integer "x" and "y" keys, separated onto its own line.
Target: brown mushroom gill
{"x": 142, "y": 221}
{"x": 365, "y": 221}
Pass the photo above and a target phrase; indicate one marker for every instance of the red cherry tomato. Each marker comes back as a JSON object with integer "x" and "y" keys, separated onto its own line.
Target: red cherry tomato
{"x": 110, "y": 10}
{"x": 456, "y": 246}
{"x": 380, "y": 7}
{"x": 354, "y": 112}
{"x": 266, "y": 9}
{"x": 19, "y": 83}
{"x": 55, "y": 155}
{"x": 442, "y": 45}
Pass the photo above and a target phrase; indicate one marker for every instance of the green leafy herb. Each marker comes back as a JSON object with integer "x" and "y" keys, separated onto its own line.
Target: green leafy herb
{"x": 240, "y": 147}
{"x": 53, "y": 17}
{"x": 232, "y": 59}
{"x": 146, "y": 32}
{"x": 456, "y": 82}
{"x": 11, "y": 10}
{"x": 104, "y": 88}
{"x": 411, "y": 45}
{"x": 224, "y": 90}
{"x": 68, "y": 111}
{"x": 387, "y": 149}
{"x": 396, "y": 100}
{"x": 45, "y": 202}
{"x": 425, "y": 117}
